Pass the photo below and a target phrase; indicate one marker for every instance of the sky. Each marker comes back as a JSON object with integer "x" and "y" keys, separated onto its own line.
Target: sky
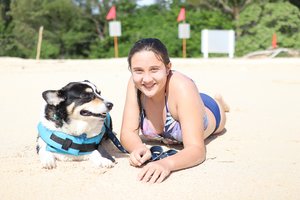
{"x": 145, "y": 2}
{"x": 95, "y": 10}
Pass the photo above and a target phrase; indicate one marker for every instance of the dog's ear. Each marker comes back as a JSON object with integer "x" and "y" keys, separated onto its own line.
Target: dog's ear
{"x": 53, "y": 97}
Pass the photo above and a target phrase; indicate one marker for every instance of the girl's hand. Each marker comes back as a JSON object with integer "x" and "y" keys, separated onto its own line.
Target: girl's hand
{"x": 154, "y": 172}
{"x": 139, "y": 156}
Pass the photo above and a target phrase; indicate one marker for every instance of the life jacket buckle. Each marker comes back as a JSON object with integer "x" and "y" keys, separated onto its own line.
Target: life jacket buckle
{"x": 67, "y": 143}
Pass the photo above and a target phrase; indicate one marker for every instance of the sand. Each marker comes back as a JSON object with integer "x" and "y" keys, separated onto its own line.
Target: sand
{"x": 257, "y": 157}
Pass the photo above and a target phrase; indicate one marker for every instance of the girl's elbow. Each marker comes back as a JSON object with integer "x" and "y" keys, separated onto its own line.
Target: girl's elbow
{"x": 201, "y": 156}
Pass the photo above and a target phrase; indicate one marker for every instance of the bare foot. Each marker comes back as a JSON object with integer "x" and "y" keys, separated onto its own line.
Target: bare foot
{"x": 221, "y": 101}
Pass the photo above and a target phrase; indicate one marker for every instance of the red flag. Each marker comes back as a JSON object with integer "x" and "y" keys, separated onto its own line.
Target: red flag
{"x": 274, "y": 41}
{"x": 112, "y": 13}
{"x": 181, "y": 15}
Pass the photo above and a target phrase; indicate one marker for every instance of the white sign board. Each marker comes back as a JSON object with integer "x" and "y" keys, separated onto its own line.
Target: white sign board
{"x": 183, "y": 31}
{"x": 114, "y": 28}
{"x": 217, "y": 41}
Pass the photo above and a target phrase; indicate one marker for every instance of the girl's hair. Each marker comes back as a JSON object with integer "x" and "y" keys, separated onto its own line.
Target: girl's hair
{"x": 150, "y": 44}
{"x": 159, "y": 49}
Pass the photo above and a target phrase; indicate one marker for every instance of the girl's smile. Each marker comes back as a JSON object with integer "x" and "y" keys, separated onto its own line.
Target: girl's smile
{"x": 149, "y": 73}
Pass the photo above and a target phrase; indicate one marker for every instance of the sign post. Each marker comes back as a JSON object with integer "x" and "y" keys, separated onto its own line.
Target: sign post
{"x": 183, "y": 30}
{"x": 114, "y": 28}
{"x": 274, "y": 41}
{"x": 184, "y": 33}
{"x": 38, "y": 51}
{"x": 115, "y": 31}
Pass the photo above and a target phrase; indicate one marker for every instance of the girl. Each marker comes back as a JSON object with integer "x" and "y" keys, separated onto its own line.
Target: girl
{"x": 165, "y": 105}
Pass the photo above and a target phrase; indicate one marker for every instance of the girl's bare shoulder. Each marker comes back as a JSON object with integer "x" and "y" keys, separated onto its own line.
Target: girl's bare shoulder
{"x": 179, "y": 80}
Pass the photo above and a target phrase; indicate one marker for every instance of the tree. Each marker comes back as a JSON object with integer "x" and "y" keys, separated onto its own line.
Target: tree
{"x": 231, "y": 7}
{"x": 259, "y": 23}
{"x": 7, "y": 43}
{"x": 295, "y": 2}
{"x": 78, "y": 28}
{"x": 67, "y": 33}
{"x": 4, "y": 9}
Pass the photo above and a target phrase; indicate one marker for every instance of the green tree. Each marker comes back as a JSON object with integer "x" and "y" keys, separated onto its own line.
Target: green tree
{"x": 160, "y": 21}
{"x": 260, "y": 22}
{"x": 231, "y": 7}
{"x": 295, "y": 2}
{"x": 7, "y": 43}
{"x": 67, "y": 33}
{"x": 78, "y": 28}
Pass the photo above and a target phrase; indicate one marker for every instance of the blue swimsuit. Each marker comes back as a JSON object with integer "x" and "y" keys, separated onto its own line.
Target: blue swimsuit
{"x": 172, "y": 131}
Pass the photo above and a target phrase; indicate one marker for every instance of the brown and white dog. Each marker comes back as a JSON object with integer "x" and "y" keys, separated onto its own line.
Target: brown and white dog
{"x": 73, "y": 125}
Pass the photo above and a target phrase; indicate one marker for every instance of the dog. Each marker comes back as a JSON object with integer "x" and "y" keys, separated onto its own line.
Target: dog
{"x": 73, "y": 123}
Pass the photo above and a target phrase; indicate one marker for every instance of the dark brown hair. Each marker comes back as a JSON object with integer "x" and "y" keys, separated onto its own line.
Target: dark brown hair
{"x": 150, "y": 44}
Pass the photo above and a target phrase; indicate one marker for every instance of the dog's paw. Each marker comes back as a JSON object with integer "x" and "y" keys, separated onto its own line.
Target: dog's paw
{"x": 47, "y": 159}
{"x": 100, "y": 161}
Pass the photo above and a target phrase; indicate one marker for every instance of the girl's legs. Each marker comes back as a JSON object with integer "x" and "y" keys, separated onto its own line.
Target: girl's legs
{"x": 223, "y": 106}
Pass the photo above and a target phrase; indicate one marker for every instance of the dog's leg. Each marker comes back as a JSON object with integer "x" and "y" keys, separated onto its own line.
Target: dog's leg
{"x": 47, "y": 158}
{"x": 100, "y": 161}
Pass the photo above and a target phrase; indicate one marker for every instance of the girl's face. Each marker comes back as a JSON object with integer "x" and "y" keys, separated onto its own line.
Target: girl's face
{"x": 149, "y": 73}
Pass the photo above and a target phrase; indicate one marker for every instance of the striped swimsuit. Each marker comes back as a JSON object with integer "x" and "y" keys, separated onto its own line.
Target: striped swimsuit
{"x": 171, "y": 134}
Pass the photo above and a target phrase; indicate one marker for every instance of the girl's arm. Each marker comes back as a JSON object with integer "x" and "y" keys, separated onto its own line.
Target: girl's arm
{"x": 130, "y": 139}
{"x": 189, "y": 111}
{"x": 188, "y": 108}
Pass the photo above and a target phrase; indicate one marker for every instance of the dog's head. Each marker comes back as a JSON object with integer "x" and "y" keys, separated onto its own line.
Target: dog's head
{"x": 77, "y": 102}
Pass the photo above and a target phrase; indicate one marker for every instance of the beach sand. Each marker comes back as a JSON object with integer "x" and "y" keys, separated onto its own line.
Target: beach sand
{"x": 256, "y": 158}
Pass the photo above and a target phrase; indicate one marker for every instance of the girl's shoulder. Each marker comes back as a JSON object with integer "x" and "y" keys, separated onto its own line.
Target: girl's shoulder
{"x": 180, "y": 81}
{"x": 181, "y": 89}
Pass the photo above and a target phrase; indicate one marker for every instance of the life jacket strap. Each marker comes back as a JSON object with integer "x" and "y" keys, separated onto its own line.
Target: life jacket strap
{"x": 67, "y": 143}
{"x": 112, "y": 136}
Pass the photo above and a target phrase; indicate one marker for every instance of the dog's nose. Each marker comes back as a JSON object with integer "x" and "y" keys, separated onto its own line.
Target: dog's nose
{"x": 109, "y": 105}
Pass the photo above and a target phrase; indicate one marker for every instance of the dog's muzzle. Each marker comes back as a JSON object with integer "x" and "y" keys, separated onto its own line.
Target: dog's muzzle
{"x": 101, "y": 115}
{"x": 88, "y": 113}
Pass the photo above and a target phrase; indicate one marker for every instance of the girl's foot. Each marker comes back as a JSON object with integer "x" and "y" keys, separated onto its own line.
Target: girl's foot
{"x": 222, "y": 103}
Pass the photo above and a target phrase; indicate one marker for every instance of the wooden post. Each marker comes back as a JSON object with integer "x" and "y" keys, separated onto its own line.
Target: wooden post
{"x": 38, "y": 52}
{"x": 116, "y": 46}
{"x": 184, "y": 48}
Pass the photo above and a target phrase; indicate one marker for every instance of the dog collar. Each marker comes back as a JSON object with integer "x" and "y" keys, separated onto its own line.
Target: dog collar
{"x": 60, "y": 142}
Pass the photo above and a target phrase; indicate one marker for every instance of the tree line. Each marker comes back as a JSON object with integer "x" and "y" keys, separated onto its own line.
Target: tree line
{"x": 78, "y": 28}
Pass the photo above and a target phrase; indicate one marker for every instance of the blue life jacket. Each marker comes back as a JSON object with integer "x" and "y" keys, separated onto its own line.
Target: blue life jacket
{"x": 60, "y": 142}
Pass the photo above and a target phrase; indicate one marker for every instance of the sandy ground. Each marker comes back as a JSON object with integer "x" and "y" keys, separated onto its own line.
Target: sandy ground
{"x": 257, "y": 158}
